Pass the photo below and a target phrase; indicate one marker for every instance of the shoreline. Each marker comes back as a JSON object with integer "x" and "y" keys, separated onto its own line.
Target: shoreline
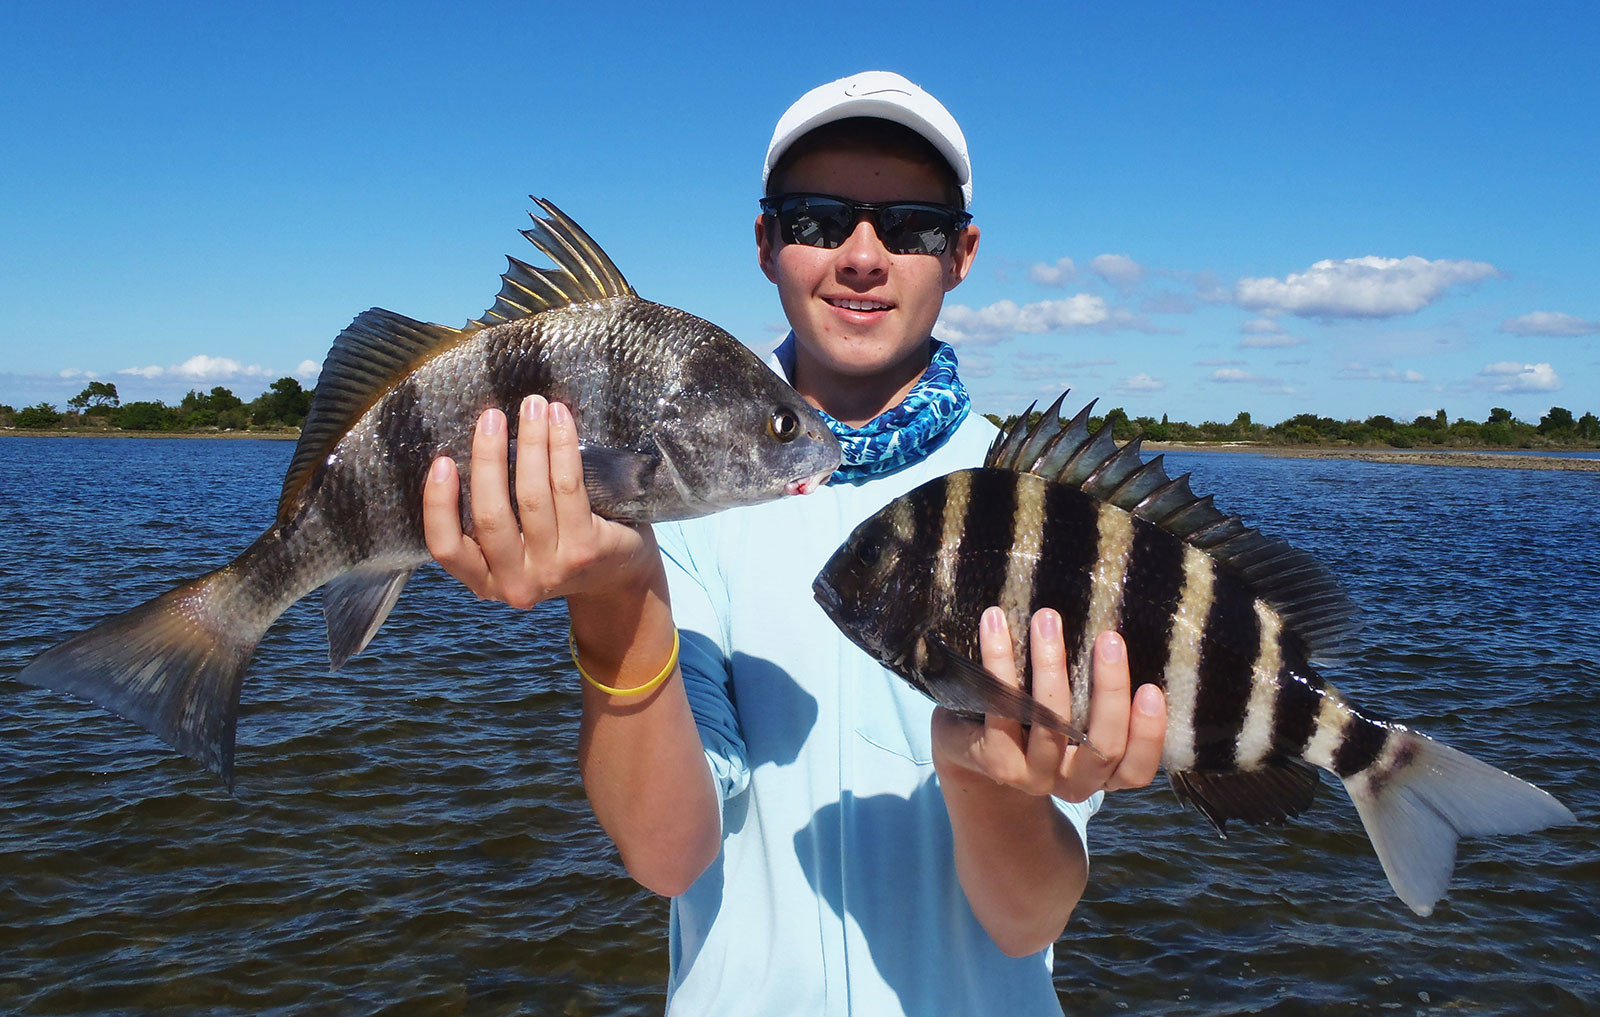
{"x": 1482, "y": 458}
{"x": 17, "y": 432}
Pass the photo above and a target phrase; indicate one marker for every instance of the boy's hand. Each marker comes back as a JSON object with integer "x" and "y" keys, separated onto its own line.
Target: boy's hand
{"x": 1127, "y": 729}
{"x": 560, "y": 548}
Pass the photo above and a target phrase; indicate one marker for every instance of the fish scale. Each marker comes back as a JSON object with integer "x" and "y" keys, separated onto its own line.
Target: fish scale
{"x": 677, "y": 419}
{"x": 1230, "y": 623}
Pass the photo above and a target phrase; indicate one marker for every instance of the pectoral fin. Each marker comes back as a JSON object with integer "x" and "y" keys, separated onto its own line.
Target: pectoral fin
{"x": 967, "y": 687}
{"x": 615, "y": 476}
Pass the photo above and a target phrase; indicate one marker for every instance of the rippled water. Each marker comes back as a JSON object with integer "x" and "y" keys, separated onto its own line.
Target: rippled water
{"x": 409, "y": 836}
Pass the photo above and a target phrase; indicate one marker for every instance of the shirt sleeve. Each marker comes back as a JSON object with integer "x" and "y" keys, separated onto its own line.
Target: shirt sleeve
{"x": 1078, "y": 814}
{"x": 699, "y": 605}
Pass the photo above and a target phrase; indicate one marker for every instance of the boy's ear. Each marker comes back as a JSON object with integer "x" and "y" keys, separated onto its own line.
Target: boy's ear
{"x": 764, "y": 249}
{"x": 966, "y": 248}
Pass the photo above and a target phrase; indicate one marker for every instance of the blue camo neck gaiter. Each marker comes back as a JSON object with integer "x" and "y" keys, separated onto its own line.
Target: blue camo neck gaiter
{"x": 903, "y": 434}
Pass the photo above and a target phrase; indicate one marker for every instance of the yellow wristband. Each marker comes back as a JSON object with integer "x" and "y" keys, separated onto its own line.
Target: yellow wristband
{"x": 638, "y": 690}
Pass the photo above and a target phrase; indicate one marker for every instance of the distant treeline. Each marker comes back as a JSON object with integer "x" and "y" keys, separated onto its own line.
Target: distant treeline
{"x": 1500, "y": 430}
{"x": 284, "y": 405}
{"x": 97, "y": 407}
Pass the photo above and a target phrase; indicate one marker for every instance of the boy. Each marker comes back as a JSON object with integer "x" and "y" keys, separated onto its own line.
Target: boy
{"x": 831, "y": 842}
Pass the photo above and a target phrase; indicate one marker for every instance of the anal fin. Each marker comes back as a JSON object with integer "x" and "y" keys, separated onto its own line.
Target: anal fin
{"x": 1271, "y": 795}
{"x": 356, "y": 606}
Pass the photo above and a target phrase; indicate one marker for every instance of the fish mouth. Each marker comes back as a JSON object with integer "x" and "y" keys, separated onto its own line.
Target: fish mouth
{"x": 827, "y": 597}
{"x": 808, "y": 483}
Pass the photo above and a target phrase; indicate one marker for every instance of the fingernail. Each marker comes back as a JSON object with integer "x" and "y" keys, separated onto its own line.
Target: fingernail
{"x": 994, "y": 620}
{"x": 1111, "y": 648}
{"x": 533, "y": 408}
{"x": 492, "y": 422}
{"x": 1049, "y": 623}
{"x": 559, "y": 414}
{"x": 1147, "y": 700}
{"x": 441, "y": 470}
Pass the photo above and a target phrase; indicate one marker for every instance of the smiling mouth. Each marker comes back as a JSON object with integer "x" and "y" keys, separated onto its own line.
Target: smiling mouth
{"x": 859, "y": 305}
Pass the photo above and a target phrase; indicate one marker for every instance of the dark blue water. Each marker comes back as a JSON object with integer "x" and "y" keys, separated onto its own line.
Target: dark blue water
{"x": 409, "y": 836}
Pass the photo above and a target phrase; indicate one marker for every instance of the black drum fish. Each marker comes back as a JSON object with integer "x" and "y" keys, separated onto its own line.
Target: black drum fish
{"x": 1227, "y": 621}
{"x": 677, "y": 419}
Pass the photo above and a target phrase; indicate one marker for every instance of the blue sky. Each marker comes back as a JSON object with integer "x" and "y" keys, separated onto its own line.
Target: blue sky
{"x": 1191, "y": 209}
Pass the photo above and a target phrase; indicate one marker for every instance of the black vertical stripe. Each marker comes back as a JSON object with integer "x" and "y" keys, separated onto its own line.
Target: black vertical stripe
{"x": 1150, "y": 597}
{"x": 407, "y": 444}
{"x": 986, "y": 537}
{"x": 1361, "y": 745}
{"x": 1301, "y": 692}
{"x": 1232, "y": 639}
{"x": 1067, "y": 557}
{"x": 515, "y": 365}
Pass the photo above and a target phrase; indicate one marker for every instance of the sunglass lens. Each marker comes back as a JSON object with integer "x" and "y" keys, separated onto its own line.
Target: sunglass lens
{"x": 909, "y": 229}
{"x": 816, "y": 222}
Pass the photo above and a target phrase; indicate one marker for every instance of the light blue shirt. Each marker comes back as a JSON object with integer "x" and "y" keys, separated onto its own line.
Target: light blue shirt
{"x": 835, "y": 891}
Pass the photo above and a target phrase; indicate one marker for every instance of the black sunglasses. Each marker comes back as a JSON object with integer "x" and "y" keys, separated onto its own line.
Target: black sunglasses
{"x": 904, "y": 227}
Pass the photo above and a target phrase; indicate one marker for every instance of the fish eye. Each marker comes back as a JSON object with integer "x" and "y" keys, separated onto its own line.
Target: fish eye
{"x": 868, "y": 552}
{"x": 783, "y": 425}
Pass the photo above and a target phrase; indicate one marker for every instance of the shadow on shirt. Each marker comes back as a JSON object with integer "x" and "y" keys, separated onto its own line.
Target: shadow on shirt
{"x": 895, "y": 887}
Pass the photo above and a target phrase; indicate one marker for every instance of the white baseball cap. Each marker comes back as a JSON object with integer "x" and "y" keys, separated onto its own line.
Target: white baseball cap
{"x": 882, "y": 94}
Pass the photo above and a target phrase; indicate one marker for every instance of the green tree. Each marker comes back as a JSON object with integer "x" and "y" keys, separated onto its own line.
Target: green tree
{"x": 284, "y": 404}
{"x": 1557, "y": 422}
{"x": 1588, "y": 427}
{"x": 39, "y": 416}
{"x": 147, "y": 416}
{"x": 97, "y": 396}
{"x": 1500, "y": 415}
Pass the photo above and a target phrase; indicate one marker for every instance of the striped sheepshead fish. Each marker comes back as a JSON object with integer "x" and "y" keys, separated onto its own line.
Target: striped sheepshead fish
{"x": 677, "y": 419}
{"x": 1226, "y": 620}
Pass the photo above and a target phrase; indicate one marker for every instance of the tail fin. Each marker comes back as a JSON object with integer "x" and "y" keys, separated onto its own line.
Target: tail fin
{"x": 173, "y": 665}
{"x": 1415, "y": 812}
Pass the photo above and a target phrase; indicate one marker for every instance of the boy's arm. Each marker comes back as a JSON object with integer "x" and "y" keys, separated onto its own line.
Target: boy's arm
{"x": 1021, "y": 862}
{"x": 640, "y": 756}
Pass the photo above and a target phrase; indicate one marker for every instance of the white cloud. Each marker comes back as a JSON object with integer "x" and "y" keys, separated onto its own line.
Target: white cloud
{"x": 308, "y": 369}
{"x": 1238, "y": 376}
{"x": 1059, "y": 274}
{"x": 1139, "y": 383}
{"x": 1270, "y": 342}
{"x": 960, "y": 324}
{"x": 1549, "y": 323}
{"x": 1511, "y": 376}
{"x": 202, "y": 367}
{"x": 1117, "y": 269}
{"x": 1369, "y": 287}
{"x": 1356, "y": 371}
{"x": 1261, "y": 326}
{"x": 72, "y": 373}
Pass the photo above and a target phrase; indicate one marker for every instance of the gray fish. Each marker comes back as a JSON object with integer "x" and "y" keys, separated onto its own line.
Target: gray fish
{"x": 677, "y": 418}
{"x": 1227, "y": 621}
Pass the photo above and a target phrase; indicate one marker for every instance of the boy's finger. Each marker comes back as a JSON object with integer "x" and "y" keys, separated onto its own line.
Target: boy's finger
{"x": 1051, "y": 687}
{"x": 566, "y": 476}
{"x": 441, "y": 524}
{"x": 493, "y": 525}
{"x": 534, "y": 504}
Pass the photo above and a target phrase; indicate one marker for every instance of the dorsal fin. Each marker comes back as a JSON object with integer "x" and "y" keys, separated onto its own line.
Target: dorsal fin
{"x": 585, "y": 272}
{"x": 373, "y": 352}
{"x": 381, "y": 347}
{"x": 1291, "y": 581}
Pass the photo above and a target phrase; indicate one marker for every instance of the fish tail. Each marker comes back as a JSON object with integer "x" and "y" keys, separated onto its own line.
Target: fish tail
{"x": 1422, "y": 796}
{"x": 174, "y": 665}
